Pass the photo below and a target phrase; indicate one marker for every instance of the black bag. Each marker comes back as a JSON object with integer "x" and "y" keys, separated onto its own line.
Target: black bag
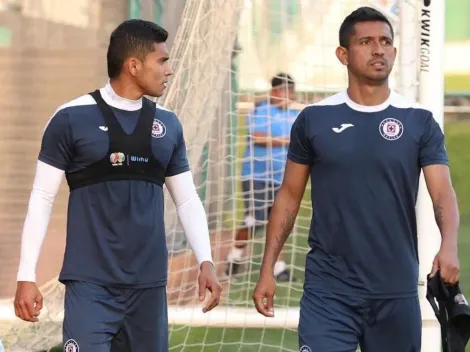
{"x": 452, "y": 311}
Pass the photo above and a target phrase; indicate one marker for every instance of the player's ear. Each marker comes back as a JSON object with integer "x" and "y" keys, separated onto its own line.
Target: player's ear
{"x": 342, "y": 55}
{"x": 133, "y": 66}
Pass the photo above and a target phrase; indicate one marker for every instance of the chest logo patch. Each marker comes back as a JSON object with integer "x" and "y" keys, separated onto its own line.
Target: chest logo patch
{"x": 158, "y": 129}
{"x": 391, "y": 129}
{"x": 71, "y": 346}
{"x": 342, "y": 127}
{"x": 117, "y": 159}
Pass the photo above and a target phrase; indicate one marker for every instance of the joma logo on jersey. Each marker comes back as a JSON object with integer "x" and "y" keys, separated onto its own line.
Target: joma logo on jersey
{"x": 139, "y": 159}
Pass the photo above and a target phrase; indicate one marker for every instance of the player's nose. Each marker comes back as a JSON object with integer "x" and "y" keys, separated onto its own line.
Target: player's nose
{"x": 377, "y": 49}
{"x": 169, "y": 71}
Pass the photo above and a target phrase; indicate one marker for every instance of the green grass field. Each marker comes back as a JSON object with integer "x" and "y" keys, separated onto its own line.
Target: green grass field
{"x": 185, "y": 339}
{"x": 457, "y": 84}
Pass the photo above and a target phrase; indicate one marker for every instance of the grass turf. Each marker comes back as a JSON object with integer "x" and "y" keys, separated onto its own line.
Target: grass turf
{"x": 186, "y": 339}
{"x": 457, "y": 84}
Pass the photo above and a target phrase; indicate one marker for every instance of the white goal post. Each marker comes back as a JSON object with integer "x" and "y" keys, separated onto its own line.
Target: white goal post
{"x": 431, "y": 29}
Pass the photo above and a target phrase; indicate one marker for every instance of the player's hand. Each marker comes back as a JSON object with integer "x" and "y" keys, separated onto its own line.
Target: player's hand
{"x": 208, "y": 281}
{"x": 447, "y": 261}
{"x": 28, "y": 301}
{"x": 263, "y": 296}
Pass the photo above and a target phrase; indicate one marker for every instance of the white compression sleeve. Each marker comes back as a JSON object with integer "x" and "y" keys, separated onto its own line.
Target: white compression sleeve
{"x": 45, "y": 188}
{"x": 191, "y": 214}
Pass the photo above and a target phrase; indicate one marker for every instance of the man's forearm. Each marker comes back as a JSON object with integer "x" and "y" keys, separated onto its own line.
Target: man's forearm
{"x": 191, "y": 214}
{"x": 447, "y": 217}
{"x": 193, "y": 218}
{"x": 280, "y": 225}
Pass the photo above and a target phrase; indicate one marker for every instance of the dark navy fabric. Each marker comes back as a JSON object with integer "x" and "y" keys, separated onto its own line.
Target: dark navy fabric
{"x": 337, "y": 323}
{"x": 365, "y": 166}
{"x": 115, "y": 229}
{"x": 105, "y": 319}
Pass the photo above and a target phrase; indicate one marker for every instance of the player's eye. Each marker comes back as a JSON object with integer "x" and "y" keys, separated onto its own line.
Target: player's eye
{"x": 365, "y": 42}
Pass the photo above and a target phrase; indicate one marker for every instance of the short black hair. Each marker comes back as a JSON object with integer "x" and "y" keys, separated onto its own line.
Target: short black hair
{"x": 362, "y": 14}
{"x": 280, "y": 79}
{"x": 132, "y": 37}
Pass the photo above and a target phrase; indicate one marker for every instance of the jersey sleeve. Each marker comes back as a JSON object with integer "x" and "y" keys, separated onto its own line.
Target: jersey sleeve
{"x": 300, "y": 148}
{"x": 178, "y": 162}
{"x": 57, "y": 141}
{"x": 432, "y": 148}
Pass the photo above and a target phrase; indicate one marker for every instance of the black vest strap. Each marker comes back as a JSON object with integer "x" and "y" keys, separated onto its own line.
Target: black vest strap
{"x": 129, "y": 157}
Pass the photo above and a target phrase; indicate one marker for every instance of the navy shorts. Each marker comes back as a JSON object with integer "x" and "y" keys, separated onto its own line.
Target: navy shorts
{"x": 259, "y": 197}
{"x": 337, "y": 323}
{"x": 103, "y": 319}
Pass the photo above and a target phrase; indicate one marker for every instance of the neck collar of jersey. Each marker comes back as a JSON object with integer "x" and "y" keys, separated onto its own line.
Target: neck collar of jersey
{"x": 367, "y": 108}
{"x": 114, "y": 100}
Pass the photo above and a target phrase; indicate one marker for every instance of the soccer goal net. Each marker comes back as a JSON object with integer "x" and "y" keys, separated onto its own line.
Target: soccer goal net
{"x": 224, "y": 54}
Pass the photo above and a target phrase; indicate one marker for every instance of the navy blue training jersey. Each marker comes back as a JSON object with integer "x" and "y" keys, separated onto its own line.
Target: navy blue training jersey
{"x": 365, "y": 163}
{"x": 115, "y": 229}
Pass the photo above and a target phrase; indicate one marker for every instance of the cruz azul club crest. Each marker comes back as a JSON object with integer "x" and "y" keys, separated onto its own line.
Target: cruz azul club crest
{"x": 391, "y": 129}
{"x": 158, "y": 129}
{"x": 71, "y": 346}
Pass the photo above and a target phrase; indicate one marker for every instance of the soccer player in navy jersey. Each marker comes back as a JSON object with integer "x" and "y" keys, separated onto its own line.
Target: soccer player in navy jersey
{"x": 117, "y": 149}
{"x": 364, "y": 149}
